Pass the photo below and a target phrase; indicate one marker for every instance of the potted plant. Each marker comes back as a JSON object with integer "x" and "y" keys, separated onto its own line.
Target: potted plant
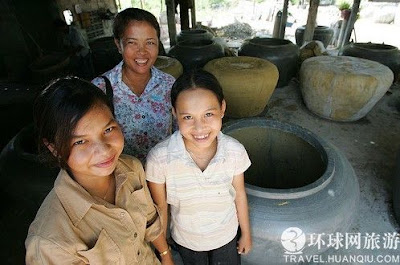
{"x": 345, "y": 9}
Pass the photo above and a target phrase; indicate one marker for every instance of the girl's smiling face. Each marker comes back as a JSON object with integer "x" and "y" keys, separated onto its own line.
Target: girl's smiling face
{"x": 199, "y": 115}
{"x": 139, "y": 46}
{"x": 96, "y": 144}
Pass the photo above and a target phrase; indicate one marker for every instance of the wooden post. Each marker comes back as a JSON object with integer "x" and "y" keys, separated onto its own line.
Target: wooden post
{"x": 277, "y": 24}
{"x": 352, "y": 20}
{"x": 193, "y": 13}
{"x": 171, "y": 21}
{"x": 283, "y": 19}
{"x": 311, "y": 21}
{"x": 184, "y": 13}
{"x": 341, "y": 33}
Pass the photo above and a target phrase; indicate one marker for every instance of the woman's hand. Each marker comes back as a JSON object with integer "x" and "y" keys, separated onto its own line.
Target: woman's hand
{"x": 244, "y": 244}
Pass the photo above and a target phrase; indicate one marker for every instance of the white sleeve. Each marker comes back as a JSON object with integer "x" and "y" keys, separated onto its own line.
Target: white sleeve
{"x": 155, "y": 171}
{"x": 242, "y": 162}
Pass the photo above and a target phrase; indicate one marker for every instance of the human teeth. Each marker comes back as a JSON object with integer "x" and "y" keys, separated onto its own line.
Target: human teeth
{"x": 201, "y": 136}
{"x": 140, "y": 61}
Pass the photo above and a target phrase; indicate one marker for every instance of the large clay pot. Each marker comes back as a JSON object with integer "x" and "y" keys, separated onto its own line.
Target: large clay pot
{"x": 283, "y": 53}
{"x": 169, "y": 65}
{"x": 16, "y": 102}
{"x": 382, "y": 53}
{"x": 105, "y": 54}
{"x": 25, "y": 183}
{"x": 194, "y": 35}
{"x": 247, "y": 83}
{"x": 195, "y": 54}
{"x": 321, "y": 33}
{"x": 49, "y": 66}
{"x": 298, "y": 183}
{"x": 343, "y": 88}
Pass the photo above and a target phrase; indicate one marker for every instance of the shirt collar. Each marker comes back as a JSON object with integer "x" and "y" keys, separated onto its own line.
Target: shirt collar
{"x": 177, "y": 146}
{"x": 75, "y": 199}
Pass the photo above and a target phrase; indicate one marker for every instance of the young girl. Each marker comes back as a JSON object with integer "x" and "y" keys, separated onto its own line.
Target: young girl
{"x": 100, "y": 210}
{"x": 198, "y": 171}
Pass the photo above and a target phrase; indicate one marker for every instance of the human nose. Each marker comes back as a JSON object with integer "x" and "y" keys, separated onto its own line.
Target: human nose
{"x": 199, "y": 124}
{"x": 101, "y": 147}
{"x": 141, "y": 48}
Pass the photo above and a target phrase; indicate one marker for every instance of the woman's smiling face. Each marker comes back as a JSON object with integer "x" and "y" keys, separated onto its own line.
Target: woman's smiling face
{"x": 139, "y": 46}
{"x": 96, "y": 144}
{"x": 199, "y": 115}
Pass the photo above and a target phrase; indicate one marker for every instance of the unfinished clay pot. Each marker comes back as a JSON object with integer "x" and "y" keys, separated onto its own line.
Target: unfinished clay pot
{"x": 195, "y": 54}
{"x": 321, "y": 33}
{"x": 343, "y": 88}
{"x": 283, "y": 53}
{"x": 296, "y": 180}
{"x": 385, "y": 54}
{"x": 194, "y": 35}
{"x": 169, "y": 65}
{"x": 247, "y": 83}
{"x": 25, "y": 183}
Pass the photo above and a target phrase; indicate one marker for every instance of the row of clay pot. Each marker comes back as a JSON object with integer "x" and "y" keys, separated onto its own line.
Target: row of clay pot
{"x": 346, "y": 88}
{"x": 249, "y": 98}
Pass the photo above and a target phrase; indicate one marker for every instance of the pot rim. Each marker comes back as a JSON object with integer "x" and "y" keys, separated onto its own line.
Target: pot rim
{"x": 193, "y": 31}
{"x": 17, "y": 144}
{"x": 283, "y": 42}
{"x": 195, "y": 44}
{"x": 316, "y": 27}
{"x": 369, "y": 46}
{"x": 325, "y": 150}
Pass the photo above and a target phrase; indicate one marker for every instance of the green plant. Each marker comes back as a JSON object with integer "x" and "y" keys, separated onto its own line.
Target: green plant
{"x": 344, "y": 5}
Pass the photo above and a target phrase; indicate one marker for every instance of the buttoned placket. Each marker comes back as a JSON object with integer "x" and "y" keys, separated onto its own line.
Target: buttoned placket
{"x": 124, "y": 216}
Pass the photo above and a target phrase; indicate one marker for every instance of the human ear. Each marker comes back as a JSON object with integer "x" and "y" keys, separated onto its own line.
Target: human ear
{"x": 174, "y": 112}
{"x": 50, "y": 146}
{"x": 223, "y": 108}
{"x": 117, "y": 43}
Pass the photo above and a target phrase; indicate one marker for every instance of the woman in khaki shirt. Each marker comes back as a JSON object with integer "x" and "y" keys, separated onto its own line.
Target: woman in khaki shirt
{"x": 100, "y": 210}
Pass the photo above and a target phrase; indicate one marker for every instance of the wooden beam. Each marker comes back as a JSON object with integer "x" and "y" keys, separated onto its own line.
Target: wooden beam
{"x": 282, "y": 27}
{"x": 193, "y": 13}
{"x": 184, "y": 14}
{"x": 311, "y": 21}
{"x": 352, "y": 20}
{"x": 171, "y": 21}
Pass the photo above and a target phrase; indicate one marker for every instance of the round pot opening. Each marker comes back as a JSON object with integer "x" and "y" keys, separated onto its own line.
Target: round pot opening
{"x": 281, "y": 159}
{"x": 374, "y": 46}
{"x": 25, "y": 144}
{"x": 195, "y": 43}
{"x": 269, "y": 41}
{"x": 193, "y": 31}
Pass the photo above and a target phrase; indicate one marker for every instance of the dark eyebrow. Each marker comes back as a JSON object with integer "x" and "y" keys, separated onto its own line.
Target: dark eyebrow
{"x": 184, "y": 113}
{"x": 112, "y": 120}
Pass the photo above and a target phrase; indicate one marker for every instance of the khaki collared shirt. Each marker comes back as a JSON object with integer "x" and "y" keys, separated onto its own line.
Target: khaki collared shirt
{"x": 72, "y": 227}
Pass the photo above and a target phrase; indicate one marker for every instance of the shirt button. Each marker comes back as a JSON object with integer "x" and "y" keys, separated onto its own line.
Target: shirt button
{"x": 140, "y": 100}
{"x": 135, "y": 235}
{"x": 143, "y": 116}
{"x": 138, "y": 253}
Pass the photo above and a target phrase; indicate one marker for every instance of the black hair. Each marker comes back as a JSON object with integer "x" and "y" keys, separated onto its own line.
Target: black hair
{"x": 123, "y": 18}
{"x": 196, "y": 79}
{"x": 57, "y": 110}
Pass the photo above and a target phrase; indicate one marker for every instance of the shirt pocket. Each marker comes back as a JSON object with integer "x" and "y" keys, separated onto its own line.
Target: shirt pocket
{"x": 141, "y": 209}
{"x": 105, "y": 251}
